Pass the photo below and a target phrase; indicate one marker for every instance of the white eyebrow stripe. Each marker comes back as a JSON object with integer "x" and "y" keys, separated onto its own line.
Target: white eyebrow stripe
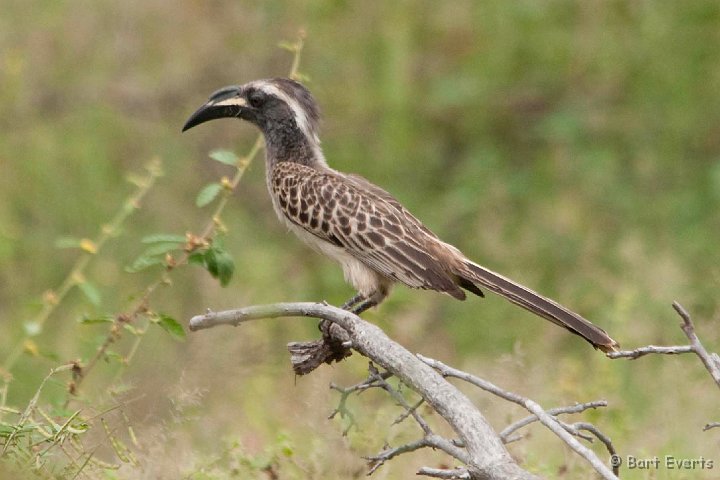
{"x": 236, "y": 101}
{"x": 299, "y": 112}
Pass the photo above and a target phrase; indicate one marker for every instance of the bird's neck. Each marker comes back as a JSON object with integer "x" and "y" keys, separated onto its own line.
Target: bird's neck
{"x": 292, "y": 145}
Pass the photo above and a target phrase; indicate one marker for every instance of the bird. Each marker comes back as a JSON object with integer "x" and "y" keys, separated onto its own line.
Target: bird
{"x": 345, "y": 217}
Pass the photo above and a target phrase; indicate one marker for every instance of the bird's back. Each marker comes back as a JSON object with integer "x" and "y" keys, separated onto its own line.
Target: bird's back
{"x": 364, "y": 220}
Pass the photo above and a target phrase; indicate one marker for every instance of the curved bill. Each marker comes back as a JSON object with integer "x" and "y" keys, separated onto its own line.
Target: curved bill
{"x": 222, "y": 104}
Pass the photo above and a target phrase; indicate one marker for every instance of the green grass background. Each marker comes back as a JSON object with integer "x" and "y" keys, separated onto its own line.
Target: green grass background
{"x": 572, "y": 146}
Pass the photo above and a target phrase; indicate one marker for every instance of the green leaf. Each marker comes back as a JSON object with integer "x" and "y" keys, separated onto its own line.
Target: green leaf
{"x": 110, "y": 355}
{"x": 197, "y": 258}
{"x": 171, "y": 326}
{"x": 208, "y": 194}
{"x": 85, "y": 320}
{"x": 67, "y": 242}
{"x": 92, "y": 293}
{"x": 164, "y": 238}
{"x": 225, "y": 156}
{"x": 210, "y": 262}
{"x": 160, "y": 249}
{"x": 220, "y": 265}
{"x": 144, "y": 262}
{"x": 217, "y": 262}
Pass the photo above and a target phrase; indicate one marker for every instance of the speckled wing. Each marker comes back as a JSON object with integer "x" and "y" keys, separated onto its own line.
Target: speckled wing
{"x": 364, "y": 220}
{"x": 368, "y": 223}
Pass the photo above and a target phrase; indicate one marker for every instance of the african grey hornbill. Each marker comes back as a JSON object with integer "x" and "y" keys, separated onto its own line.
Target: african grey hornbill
{"x": 358, "y": 224}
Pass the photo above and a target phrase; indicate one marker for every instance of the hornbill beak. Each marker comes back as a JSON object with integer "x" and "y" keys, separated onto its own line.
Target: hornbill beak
{"x": 226, "y": 102}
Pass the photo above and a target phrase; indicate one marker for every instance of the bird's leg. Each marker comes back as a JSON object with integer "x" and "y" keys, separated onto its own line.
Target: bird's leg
{"x": 359, "y": 297}
{"x": 357, "y": 305}
{"x": 371, "y": 300}
{"x": 353, "y": 301}
{"x": 365, "y": 304}
{"x": 337, "y": 339}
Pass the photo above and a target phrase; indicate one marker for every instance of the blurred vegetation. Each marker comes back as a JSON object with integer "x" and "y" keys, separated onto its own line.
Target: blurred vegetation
{"x": 573, "y": 146}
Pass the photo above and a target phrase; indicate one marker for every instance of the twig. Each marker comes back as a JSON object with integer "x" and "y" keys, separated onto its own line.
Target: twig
{"x": 431, "y": 441}
{"x": 711, "y": 361}
{"x": 649, "y": 350}
{"x": 578, "y": 408}
{"x": 603, "y": 438}
{"x": 377, "y": 379}
{"x": 711, "y": 425}
{"x": 209, "y": 231}
{"x": 344, "y": 394}
{"x": 546, "y": 419}
{"x": 408, "y": 412}
{"x": 456, "y": 473}
{"x": 397, "y": 396}
{"x": 578, "y": 447}
{"x": 90, "y": 249}
{"x": 487, "y": 458}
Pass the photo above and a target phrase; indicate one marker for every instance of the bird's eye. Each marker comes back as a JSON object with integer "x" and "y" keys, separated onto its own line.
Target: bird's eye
{"x": 256, "y": 99}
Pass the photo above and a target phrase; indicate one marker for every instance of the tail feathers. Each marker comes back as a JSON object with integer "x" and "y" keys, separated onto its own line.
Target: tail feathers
{"x": 473, "y": 274}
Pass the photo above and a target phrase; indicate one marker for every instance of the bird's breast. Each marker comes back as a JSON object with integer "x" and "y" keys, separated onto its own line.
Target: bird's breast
{"x": 365, "y": 280}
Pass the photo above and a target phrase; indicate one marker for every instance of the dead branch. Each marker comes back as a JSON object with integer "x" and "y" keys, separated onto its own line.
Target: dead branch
{"x": 432, "y": 441}
{"x": 557, "y": 427}
{"x": 484, "y": 453}
{"x": 345, "y": 392}
{"x": 398, "y": 397}
{"x": 578, "y": 408}
{"x": 711, "y": 361}
{"x": 456, "y": 473}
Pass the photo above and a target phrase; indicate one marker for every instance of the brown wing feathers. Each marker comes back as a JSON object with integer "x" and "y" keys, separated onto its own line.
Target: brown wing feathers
{"x": 363, "y": 223}
{"x": 375, "y": 228}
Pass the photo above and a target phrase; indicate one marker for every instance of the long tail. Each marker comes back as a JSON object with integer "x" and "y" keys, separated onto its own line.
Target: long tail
{"x": 475, "y": 274}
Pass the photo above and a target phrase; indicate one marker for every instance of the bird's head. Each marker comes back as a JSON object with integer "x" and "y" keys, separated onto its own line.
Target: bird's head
{"x": 271, "y": 104}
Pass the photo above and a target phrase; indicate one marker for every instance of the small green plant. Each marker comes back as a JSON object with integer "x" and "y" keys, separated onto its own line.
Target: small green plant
{"x": 52, "y": 441}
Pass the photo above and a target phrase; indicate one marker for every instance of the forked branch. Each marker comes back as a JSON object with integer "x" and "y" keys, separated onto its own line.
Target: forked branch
{"x": 711, "y": 361}
{"x": 487, "y": 457}
{"x": 478, "y": 446}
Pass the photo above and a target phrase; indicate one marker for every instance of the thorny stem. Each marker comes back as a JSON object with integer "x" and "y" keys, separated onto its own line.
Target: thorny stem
{"x": 90, "y": 249}
{"x": 207, "y": 234}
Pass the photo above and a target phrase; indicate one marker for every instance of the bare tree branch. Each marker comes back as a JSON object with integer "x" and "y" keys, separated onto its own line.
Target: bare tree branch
{"x": 578, "y": 408}
{"x": 377, "y": 379}
{"x": 430, "y": 440}
{"x": 578, "y": 447}
{"x": 487, "y": 457}
{"x": 345, "y": 392}
{"x": 711, "y": 361}
{"x": 649, "y": 350}
{"x": 397, "y": 396}
{"x": 548, "y": 420}
{"x": 711, "y": 425}
{"x": 600, "y": 436}
{"x": 456, "y": 473}
{"x": 412, "y": 411}
{"x": 478, "y": 446}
